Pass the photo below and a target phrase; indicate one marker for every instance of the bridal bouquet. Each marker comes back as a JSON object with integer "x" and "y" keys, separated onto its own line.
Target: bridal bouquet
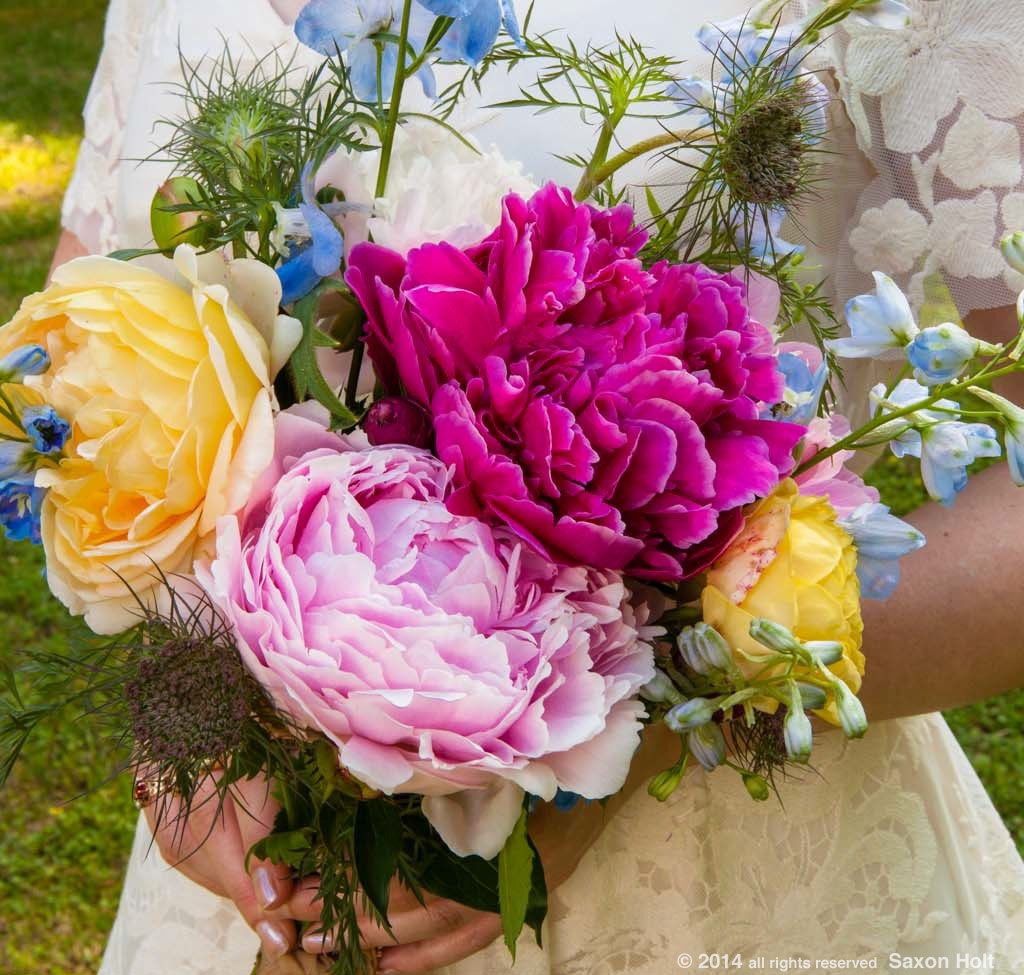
{"x": 420, "y": 489}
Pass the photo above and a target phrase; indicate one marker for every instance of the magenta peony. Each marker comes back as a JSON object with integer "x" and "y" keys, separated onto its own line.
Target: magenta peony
{"x": 607, "y": 414}
{"x": 441, "y": 657}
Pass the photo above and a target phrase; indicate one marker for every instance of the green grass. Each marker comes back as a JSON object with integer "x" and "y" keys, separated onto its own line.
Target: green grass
{"x": 61, "y": 862}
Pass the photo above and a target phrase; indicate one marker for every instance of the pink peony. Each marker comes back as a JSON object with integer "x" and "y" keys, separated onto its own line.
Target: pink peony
{"x": 441, "y": 657}
{"x": 608, "y": 415}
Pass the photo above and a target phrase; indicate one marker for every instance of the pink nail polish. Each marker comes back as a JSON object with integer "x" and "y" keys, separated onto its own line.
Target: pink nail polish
{"x": 276, "y": 942}
{"x": 318, "y": 943}
{"x": 268, "y": 888}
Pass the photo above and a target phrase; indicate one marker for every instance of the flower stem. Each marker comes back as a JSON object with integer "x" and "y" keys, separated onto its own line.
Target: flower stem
{"x": 594, "y": 176}
{"x": 882, "y": 419}
{"x": 388, "y": 142}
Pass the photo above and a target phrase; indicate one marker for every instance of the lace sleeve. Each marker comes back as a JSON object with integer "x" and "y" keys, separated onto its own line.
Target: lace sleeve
{"x": 89, "y": 204}
{"x": 938, "y": 111}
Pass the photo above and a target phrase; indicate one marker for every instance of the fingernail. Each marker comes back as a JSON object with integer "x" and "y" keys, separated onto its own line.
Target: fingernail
{"x": 318, "y": 943}
{"x": 268, "y": 889}
{"x": 276, "y": 942}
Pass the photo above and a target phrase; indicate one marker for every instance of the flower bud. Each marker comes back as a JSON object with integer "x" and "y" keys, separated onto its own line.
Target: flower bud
{"x": 774, "y": 635}
{"x": 1012, "y": 246}
{"x": 707, "y": 745}
{"x": 824, "y": 651}
{"x": 757, "y": 786}
{"x": 941, "y": 353}
{"x": 397, "y": 420}
{"x": 27, "y": 360}
{"x": 704, "y": 649}
{"x": 16, "y": 458}
{"x": 812, "y": 698}
{"x": 852, "y": 718}
{"x": 665, "y": 783}
{"x": 661, "y": 690}
{"x": 691, "y": 714}
{"x": 47, "y": 432}
{"x": 796, "y": 729}
{"x": 170, "y": 226}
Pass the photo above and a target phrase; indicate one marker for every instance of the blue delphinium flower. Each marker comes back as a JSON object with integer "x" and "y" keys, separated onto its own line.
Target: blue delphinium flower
{"x": 20, "y": 506}
{"x": 476, "y": 28}
{"x": 739, "y": 44}
{"x": 348, "y": 26}
{"x": 881, "y": 325}
{"x": 882, "y": 540}
{"x": 16, "y": 457}
{"x": 946, "y": 450}
{"x": 695, "y": 97}
{"x": 47, "y": 432}
{"x": 804, "y": 388}
{"x": 27, "y": 360}
{"x": 1013, "y": 419}
{"x": 309, "y": 263}
{"x": 942, "y": 352}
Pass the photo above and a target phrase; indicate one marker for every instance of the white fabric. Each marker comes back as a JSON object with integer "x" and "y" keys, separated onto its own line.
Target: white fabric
{"x": 895, "y": 847}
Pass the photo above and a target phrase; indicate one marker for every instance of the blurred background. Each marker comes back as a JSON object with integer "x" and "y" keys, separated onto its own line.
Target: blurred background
{"x": 63, "y": 848}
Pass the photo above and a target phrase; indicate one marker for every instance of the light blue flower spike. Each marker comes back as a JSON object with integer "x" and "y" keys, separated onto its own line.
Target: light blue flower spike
{"x": 476, "y": 28}
{"x": 941, "y": 353}
{"x": 27, "y": 360}
{"x": 882, "y": 540}
{"x": 1013, "y": 418}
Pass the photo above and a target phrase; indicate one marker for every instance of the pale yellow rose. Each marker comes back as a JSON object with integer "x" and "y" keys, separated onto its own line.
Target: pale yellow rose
{"x": 168, "y": 387}
{"x": 794, "y": 565}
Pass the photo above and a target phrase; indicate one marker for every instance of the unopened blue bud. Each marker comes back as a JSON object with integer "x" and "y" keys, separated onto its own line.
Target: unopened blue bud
{"x": 1012, "y": 246}
{"x": 707, "y": 745}
{"x": 941, "y": 353}
{"x": 824, "y": 651}
{"x": 774, "y": 635}
{"x": 704, "y": 649}
{"x": 661, "y": 690}
{"x": 796, "y": 729}
{"x": 852, "y": 718}
{"x": 812, "y": 697}
{"x": 28, "y": 360}
{"x": 691, "y": 714}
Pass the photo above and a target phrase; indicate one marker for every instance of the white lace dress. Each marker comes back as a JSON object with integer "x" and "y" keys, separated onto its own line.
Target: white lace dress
{"x": 895, "y": 849}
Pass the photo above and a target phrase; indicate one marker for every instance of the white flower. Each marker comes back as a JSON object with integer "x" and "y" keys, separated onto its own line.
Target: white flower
{"x": 980, "y": 151}
{"x": 438, "y": 189}
{"x": 892, "y": 236}
{"x": 953, "y": 50}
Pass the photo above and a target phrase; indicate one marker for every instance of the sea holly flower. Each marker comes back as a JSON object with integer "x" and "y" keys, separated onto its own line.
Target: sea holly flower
{"x": 350, "y": 26}
{"x": 47, "y": 432}
{"x": 942, "y": 352}
{"x": 881, "y": 325}
{"x": 29, "y": 360}
{"x": 476, "y": 28}
{"x": 882, "y": 540}
{"x": 308, "y": 264}
{"x": 1013, "y": 419}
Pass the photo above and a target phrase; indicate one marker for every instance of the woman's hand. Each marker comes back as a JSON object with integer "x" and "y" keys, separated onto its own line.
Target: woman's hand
{"x": 209, "y": 847}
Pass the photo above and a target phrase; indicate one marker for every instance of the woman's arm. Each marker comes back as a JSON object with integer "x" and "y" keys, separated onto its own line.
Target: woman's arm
{"x": 68, "y": 248}
{"x": 951, "y": 633}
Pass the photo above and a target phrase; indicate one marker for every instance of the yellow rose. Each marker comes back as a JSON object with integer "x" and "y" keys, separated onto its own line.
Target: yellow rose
{"x": 792, "y": 564}
{"x": 168, "y": 387}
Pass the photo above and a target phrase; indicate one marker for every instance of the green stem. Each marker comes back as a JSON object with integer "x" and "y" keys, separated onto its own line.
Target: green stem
{"x": 388, "y": 142}
{"x": 594, "y": 176}
{"x": 854, "y": 438}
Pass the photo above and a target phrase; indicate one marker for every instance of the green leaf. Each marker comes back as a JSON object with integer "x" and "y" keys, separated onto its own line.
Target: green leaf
{"x": 378, "y": 844}
{"x": 515, "y": 882}
{"x": 131, "y": 253}
{"x": 537, "y": 905}
{"x": 289, "y": 848}
{"x": 307, "y": 378}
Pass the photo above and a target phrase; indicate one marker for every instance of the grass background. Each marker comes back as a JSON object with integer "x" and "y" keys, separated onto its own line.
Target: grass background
{"x": 61, "y": 862}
